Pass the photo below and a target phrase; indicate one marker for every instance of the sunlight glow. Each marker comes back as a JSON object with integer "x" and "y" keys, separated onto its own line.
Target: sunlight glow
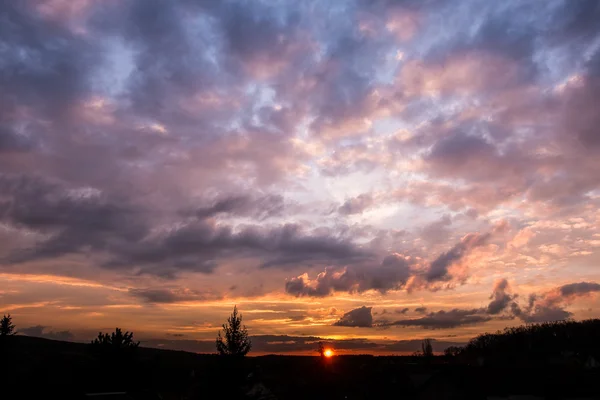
{"x": 328, "y": 353}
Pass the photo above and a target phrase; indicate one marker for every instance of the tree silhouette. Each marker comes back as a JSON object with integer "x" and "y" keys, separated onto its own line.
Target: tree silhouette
{"x": 7, "y": 328}
{"x": 116, "y": 341}
{"x": 321, "y": 349}
{"x": 236, "y": 341}
{"x": 453, "y": 351}
{"x": 426, "y": 348}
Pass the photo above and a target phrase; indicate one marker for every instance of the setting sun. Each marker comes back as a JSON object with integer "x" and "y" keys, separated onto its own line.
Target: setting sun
{"x": 328, "y": 353}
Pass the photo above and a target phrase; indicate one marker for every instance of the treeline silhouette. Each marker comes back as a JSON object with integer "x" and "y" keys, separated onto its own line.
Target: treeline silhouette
{"x": 534, "y": 344}
{"x": 116, "y": 354}
{"x": 115, "y": 362}
{"x": 514, "y": 360}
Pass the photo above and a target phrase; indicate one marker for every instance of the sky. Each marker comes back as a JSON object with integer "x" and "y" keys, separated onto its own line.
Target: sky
{"x": 368, "y": 172}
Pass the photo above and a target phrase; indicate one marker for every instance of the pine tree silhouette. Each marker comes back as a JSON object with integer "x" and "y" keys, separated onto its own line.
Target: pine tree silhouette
{"x": 235, "y": 341}
{"x": 7, "y": 328}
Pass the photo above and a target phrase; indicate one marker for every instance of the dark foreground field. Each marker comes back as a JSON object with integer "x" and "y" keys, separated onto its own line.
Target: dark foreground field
{"x": 41, "y": 368}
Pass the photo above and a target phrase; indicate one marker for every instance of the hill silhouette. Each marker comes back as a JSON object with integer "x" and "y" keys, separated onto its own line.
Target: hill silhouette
{"x": 547, "y": 360}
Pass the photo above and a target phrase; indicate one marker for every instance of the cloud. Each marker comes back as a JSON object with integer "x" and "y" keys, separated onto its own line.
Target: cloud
{"x": 501, "y": 301}
{"x": 260, "y": 207}
{"x": 523, "y": 237}
{"x": 549, "y": 306}
{"x": 445, "y": 319}
{"x": 543, "y": 313}
{"x": 73, "y": 218}
{"x": 394, "y": 272}
{"x": 39, "y": 203}
{"x": 391, "y": 274}
{"x": 170, "y": 295}
{"x": 43, "y": 332}
{"x": 401, "y": 310}
{"x": 78, "y": 219}
{"x": 356, "y": 205}
{"x": 459, "y": 154}
{"x": 359, "y": 318}
{"x": 579, "y": 289}
{"x": 437, "y": 231}
{"x": 197, "y": 245}
{"x": 467, "y": 73}
{"x": 58, "y": 72}
{"x": 438, "y": 269}
{"x": 11, "y": 141}
{"x": 500, "y": 298}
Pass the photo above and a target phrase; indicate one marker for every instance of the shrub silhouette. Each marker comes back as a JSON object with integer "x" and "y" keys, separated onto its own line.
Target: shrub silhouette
{"x": 116, "y": 360}
{"x": 115, "y": 342}
{"x": 7, "y": 328}
{"x": 235, "y": 341}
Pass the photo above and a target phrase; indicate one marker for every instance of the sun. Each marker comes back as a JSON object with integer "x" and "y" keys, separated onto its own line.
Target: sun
{"x": 328, "y": 353}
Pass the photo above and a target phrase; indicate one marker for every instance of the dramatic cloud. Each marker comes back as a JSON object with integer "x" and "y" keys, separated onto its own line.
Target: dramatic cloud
{"x": 84, "y": 218}
{"x": 500, "y": 298}
{"x": 438, "y": 270}
{"x": 391, "y": 274}
{"x": 197, "y": 246}
{"x": 72, "y": 218}
{"x": 359, "y": 317}
{"x": 539, "y": 308}
{"x": 549, "y": 306}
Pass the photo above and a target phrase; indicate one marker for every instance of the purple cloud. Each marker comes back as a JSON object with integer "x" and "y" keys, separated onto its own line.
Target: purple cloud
{"x": 359, "y": 318}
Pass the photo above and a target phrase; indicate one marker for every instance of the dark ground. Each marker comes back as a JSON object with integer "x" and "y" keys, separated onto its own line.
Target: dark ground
{"x": 41, "y": 368}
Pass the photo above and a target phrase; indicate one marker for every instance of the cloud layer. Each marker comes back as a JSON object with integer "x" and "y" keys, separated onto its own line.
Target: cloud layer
{"x": 543, "y": 307}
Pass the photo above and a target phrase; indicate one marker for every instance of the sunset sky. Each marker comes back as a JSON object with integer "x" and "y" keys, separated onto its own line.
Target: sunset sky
{"x": 374, "y": 172}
